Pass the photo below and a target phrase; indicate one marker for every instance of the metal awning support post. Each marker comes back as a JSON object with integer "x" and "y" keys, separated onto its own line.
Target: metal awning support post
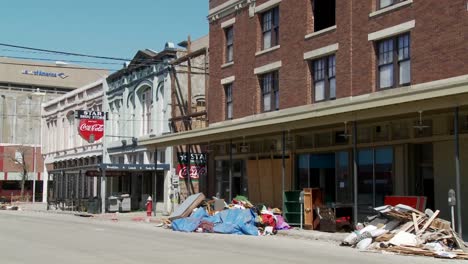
{"x": 457, "y": 171}
{"x": 230, "y": 170}
{"x": 103, "y": 191}
{"x": 355, "y": 174}
{"x": 283, "y": 167}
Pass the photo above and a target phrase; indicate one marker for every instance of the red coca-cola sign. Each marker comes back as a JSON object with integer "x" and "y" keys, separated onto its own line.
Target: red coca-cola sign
{"x": 91, "y": 129}
{"x": 91, "y": 125}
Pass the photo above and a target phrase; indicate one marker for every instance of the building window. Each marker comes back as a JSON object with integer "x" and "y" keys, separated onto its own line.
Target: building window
{"x": 229, "y": 44}
{"x": 324, "y": 14}
{"x": 229, "y": 104}
{"x": 324, "y": 77}
{"x": 394, "y": 62}
{"x": 386, "y": 3}
{"x": 270, "y": 28}
{"x": 146, "y": 106}
{"x": 270, "y": 91}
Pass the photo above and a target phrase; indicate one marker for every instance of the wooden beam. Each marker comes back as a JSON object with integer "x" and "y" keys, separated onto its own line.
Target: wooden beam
{"x": 428, "y": 223}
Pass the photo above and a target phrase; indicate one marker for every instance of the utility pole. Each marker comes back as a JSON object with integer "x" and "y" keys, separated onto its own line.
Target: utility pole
{"x": 189, "y": 77}
{"x": 189, "y": 111}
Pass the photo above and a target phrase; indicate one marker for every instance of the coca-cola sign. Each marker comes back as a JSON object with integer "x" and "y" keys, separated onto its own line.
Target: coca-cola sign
{"x": 91, "y": 130}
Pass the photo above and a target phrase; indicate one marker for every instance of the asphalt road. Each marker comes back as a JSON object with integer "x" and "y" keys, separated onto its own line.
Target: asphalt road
{"x": 28, "y": 237}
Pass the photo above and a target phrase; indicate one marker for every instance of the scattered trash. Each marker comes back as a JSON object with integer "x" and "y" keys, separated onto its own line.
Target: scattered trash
{"x": 402, "y": 229}
{"x": 9, "y": 207}
{"x": 239, "y": 217}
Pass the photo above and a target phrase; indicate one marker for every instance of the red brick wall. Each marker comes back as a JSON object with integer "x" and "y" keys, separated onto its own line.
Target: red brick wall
{"x": 2, "y": 157}
{"x": 10, "y": 166}
{"x": 438, "y": 50}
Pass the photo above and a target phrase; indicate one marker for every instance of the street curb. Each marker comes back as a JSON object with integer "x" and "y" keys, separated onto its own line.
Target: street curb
{"x": 313, "y": 235}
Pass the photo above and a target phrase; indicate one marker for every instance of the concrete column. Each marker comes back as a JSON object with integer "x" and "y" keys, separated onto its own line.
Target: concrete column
{"x": 45, "y": 183}
{"x": 103, "y": 192}
{"x": 355, "y": 174}
{"x": 458, "y": 173}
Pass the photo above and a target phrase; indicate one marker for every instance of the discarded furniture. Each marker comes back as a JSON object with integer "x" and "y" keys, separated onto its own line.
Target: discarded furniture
{"x": 186, "y": 208}
{"x": 417, "y": 202}
{"x": 312, "y": 199}
{"x": 292, "y": 207}
{"x": 125, "y": 203}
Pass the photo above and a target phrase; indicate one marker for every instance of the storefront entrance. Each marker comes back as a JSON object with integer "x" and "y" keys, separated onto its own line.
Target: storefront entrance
{"x": 236, "y": 184}
{"x": 375, "y": 178}
{"x": 328, "y": 171}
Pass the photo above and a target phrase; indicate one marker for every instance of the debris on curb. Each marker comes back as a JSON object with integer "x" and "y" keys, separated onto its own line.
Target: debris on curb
{"x": 402, "y": 229}
{"x": 240, "y": 217}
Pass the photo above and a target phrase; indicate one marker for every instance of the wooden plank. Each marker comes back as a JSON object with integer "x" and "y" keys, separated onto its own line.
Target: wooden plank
{"x": 415, "y": 222}
{"x": 277, "y": 182}
{"x": 428, "y": 223}
{"x": 253, "y": 181}
{"x": 266, "y": 181}
{"x": 308, "y": 209}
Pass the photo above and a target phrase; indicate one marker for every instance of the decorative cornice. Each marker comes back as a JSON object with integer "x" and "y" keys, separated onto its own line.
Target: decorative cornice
{"x": 228, "y": 8}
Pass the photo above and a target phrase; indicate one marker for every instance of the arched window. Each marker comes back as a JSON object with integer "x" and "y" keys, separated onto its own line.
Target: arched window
{"x": 144, "y": 114}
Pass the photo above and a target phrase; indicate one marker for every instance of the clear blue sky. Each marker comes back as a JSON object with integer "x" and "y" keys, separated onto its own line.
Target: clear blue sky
{"x": 115, "y": 28}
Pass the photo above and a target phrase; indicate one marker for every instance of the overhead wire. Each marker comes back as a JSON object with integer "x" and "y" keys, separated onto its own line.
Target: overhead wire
{"x": 64, "y": 52}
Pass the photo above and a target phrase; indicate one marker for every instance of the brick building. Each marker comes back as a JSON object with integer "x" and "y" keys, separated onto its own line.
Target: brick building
{"x": 301, "y": 90}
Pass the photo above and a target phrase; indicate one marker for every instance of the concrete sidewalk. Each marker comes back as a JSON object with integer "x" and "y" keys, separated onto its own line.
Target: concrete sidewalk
{"x": 313, "y": 235}
{"x": 141, "y": 217}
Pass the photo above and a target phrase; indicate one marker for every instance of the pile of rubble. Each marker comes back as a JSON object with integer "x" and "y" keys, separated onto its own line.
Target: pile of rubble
{"x": 405, "y": 230}
{"x": 241, "y": 217}
{"x": 9, "y": 207}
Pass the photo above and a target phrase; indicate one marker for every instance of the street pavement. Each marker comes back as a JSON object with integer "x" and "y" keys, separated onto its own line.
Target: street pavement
{"x": 35, "y": 237}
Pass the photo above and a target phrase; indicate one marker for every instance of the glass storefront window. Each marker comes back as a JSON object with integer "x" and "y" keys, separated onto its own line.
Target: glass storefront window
{"x": 239, "y": 181}
{"x": 344, "y": 181}
{"x": 375, "y": 177}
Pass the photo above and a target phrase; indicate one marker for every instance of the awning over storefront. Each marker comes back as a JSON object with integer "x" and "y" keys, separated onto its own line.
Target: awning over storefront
{"x": 109, "y": 167}
{"x": 134, "y": 167}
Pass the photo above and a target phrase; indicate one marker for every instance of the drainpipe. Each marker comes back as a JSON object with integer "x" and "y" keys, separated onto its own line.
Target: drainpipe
{"x": 457, "y": 171}
{"x": 355, "y": 174}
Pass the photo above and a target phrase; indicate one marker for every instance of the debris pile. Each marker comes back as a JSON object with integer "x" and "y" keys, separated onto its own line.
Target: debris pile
{"x": 241, "y": 217}
{"x": 405, "y": 230}
{"x": 9, "y": 207}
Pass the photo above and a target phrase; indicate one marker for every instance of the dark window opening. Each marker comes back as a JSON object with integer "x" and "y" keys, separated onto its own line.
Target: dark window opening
{"x": 324, "y": 14}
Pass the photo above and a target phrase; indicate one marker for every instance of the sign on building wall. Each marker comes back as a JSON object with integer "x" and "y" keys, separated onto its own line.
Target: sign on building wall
{"x": 197, "y": 165}
{"x": 45, "y": 73}
{"x": 91, "y": 125}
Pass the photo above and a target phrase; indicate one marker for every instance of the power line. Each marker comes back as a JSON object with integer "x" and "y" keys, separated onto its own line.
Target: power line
{"x": 73, "y": 61}
{"x": 55, "y": 66}
{"x": 64, "y": 52}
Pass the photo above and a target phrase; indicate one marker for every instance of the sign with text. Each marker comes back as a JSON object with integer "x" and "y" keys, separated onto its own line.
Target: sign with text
{"x": 42, "y": 73}
{"x": 191, "y": 165}
{"x": 91, "y": 125}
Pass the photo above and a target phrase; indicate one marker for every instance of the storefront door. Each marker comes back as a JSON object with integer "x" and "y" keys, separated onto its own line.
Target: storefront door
{"x": 329, "y": 172}
{"x": 234, "y": 184}
{"x": 375, "y": 178}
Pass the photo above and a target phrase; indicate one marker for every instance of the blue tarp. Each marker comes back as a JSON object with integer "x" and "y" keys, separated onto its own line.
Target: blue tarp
{"x": 232, "y": 221}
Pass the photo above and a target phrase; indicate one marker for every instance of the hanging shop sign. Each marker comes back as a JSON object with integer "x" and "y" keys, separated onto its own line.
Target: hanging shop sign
{"x": 91, "y": 125}
{"x": 191, "y": 165}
